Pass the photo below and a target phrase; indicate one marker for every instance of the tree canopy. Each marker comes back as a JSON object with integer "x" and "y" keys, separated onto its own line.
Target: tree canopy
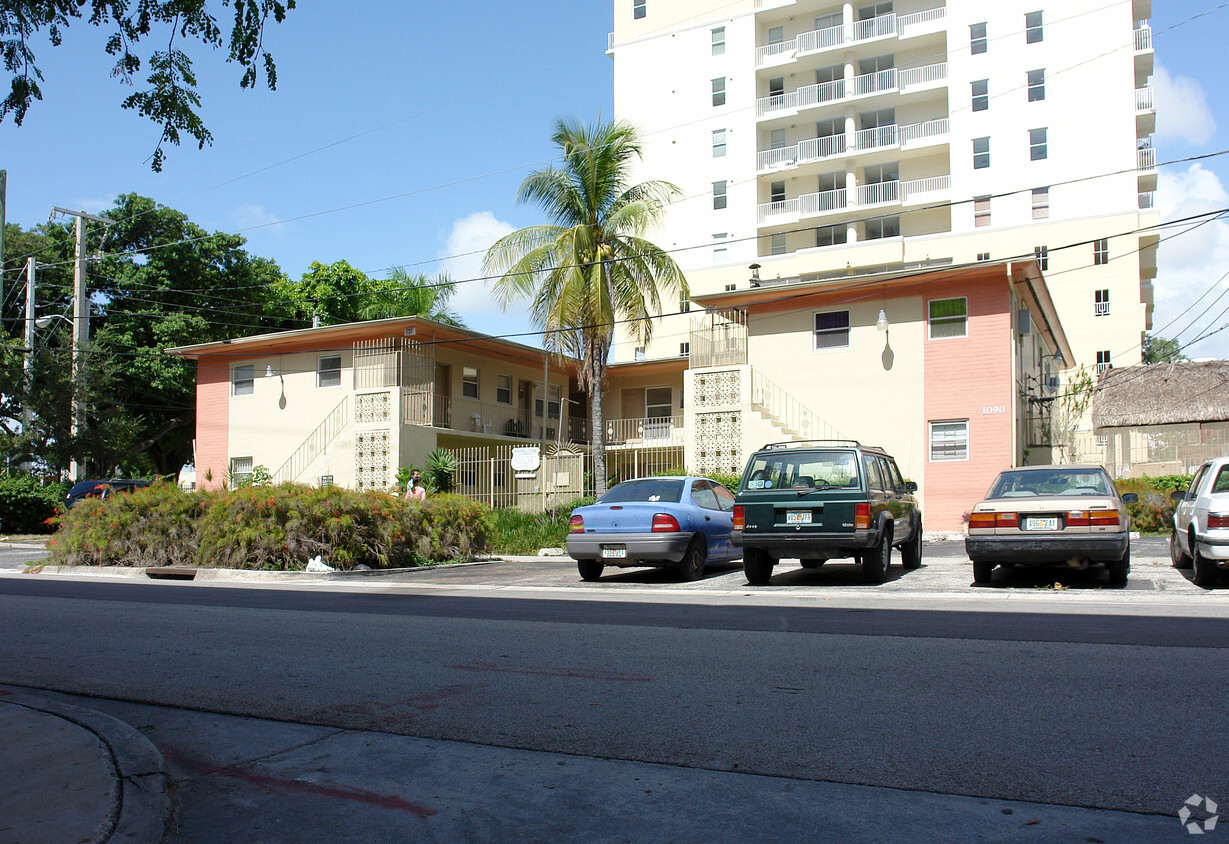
{"x": 1158, "y": 349}
{"x": 170, "y": 98}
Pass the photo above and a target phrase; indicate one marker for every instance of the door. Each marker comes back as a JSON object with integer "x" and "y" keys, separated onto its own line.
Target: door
{"x": 715, "y": 523}
{"x": 657, "y": 412}
{"x": 442, "y": 400}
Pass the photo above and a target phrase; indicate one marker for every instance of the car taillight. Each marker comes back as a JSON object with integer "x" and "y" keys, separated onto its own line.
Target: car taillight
{"x": 1103, "y": 518}
{"x": 862, "y": 517}
{"x": 1077, "y": 518}
{"x": 740, "y": 519}
{"x": 994, "y": 520}
{"x": 576, "y": 524}
{"x": 1218, "y": 520}
{"x": 665, "y": 523}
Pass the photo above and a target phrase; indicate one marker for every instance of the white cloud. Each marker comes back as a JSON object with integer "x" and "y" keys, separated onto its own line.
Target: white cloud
{"x": 245, "y": 217}
{"x": 1182, "y": 109}
{"x": 461, "y": 257}
{"x": 1189, "y": 264}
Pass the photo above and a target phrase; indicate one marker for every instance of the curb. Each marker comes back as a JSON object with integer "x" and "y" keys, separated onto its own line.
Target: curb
{"x": 141, "y": 802}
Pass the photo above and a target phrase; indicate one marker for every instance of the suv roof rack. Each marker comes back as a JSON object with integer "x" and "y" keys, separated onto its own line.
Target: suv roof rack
{"x": 789, "y": 443}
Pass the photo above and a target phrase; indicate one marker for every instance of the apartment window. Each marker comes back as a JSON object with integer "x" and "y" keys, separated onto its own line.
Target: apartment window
{"x": 977, "y": 38}
{"x": 684, "y": 304}
{"x": 949, "y": 440}
{"x": 638, "y": 354}
{"x": 1041, "y": 203}
{"x": 1042, "y": 254}
{"x": 776, "y": 192}
{"x": 1103, "y": 361}
{"x": 718, "y": 143}
{"x": 983, "y": 256}
{"x": 776, "y": 244}
{"x": 719, "y": 247}
{"x": 1032, "y": 28}
{"x": 242, "y": 380}
{"x": 240, "y": 470}
{"x": 883, "y": 227}
{"x": 719, "y": 199}
{"x": 831, "y": 235}
{"x": 638, "y": 9}
{"x": 1101, "y": 251}
{"x": 948, "y": 318}
{"x": 684, "y": 349}
{"x": 730, "y": 287}
{"x": 832, "y": 330}
{"x": 776, "y": 139}
{"x": 469, "y": 382}
{"x": 1101, "y": 302}
{"x": 719, "y": 91}
{"x": 328, "y": 371}
{"x": 776, "y": 34}
{"x": 1036, "y": 85}
{"x": 981, "y": 153}
{"x": 503, "y": 389}
{"x": 719, "y": 41}
{"x": 1037, "y": 144}
{"x": 981, "y": 94}
{"x": 981, "y": 211}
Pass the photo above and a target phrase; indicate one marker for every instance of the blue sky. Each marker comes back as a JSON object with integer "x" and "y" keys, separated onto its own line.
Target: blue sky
{"x": 399, "y": 134}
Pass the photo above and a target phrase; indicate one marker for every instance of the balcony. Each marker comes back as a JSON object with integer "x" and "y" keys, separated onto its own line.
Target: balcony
{"x": 1145, "y": 112}
{"x": 1143, "y": 39}
{"x": 652, "y": 430}
{"x": 837, "y": 146}
{"x": 465, "y": 415}
{"x": 1147, "y": 200}
{"x": 1143, "y": 99}
{"x": 1101, "y": 308}
{"x": 834, "y": 37}
{"x": 874, "y": 195}
{"x": 853, "y": 88}
{"x": 1145, "y": 160}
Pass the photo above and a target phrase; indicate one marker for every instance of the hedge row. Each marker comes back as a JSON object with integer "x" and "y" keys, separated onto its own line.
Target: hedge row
{"x": 269, "y": 528}
{"x": 25, "y": 506}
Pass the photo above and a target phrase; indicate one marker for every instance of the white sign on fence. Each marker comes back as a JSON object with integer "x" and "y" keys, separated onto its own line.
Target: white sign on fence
{"x": 526, "y": 460}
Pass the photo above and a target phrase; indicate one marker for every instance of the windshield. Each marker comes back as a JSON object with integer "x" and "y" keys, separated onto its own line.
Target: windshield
{"x": 1058, "y": 482}
{"x": 802, "y": 470}
{"x": 649, "y": 489}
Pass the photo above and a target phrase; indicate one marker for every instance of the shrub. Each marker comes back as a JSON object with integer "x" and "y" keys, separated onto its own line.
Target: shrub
{"x": 25, "y": 506}
{"x": 518, "y": 532}
{"x": 149, "y": 526}
{"x": 1154, "y": 513}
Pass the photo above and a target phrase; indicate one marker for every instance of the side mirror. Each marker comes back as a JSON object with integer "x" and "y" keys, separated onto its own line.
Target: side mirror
{"x": 1130, "y": 498}
{"x": 910, "y": 486}
{"x": 1177, "y": 495}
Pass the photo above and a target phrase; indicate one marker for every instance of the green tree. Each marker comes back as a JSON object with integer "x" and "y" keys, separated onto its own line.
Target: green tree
{"x": 1158, "y": 349}
{"x": 591, "y": 266}
{"x": 171, "y": 99}
{"x": 337, "y": 293}
{"x": 411, "y": 294}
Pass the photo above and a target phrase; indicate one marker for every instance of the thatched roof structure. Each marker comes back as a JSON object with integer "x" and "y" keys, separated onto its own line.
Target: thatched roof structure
{"x": 1162, "y": 394}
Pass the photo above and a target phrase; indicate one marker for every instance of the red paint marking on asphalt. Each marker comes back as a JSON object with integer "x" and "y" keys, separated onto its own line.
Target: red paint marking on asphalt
{"x": 582, "y": 673}
{"x": 321, "y": 789}
{"x": 3, "y": 693}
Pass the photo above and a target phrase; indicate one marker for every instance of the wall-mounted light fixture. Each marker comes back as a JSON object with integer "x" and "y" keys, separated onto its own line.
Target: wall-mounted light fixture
{"x": 882, "y": 322}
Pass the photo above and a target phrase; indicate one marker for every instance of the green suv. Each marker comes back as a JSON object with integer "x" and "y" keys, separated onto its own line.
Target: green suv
{"x": 820, "y": 499}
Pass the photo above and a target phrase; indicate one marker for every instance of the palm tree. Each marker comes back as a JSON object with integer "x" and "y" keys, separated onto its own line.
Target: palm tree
{"x": 410, "y": 294}
{"x": 590, "y": 267}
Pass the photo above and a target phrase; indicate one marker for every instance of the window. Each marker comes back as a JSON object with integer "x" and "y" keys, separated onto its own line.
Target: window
{"x": 981, "y": 153}
{"x": 703, "y": 496}
{"x": 730, "y": 287}
{"x": 776, "y": 192}
{"x": 1042, "y": 254}
{"x": 1101, "y": 302}
{"x": 977, "y": 38}
{"x": 776, "y": 244}
{"x": 883, "y": 227}
{"x": 638, "y": 355}
{"x": 638, "y": 9}
{"x": 983, "y": 256}
{"x": 1101, "y": 251}
{"x": 981, "y": 94}
{"x": 503, "y": 389}
{"x": 948, "y": 317}
{"x": 776, "y": 139}
{"x": 949, "y": 440}
{"x": 240, "y": 470}
{"x": 1041, "y": 203}
{"x": 776, "y": 87}
{"x": 832, "y": 330}
{"x": 553, "y": 395}
{"x": 719, "y": 41}
{"x": 469, "y": 382}
{"x": 719, "y": 198}
{"x": 242, "y": 380}
{"x": 981, "y": 211}
{"x": 719, "y": 91}
{"x": 1037, "y": 144}
{"x": 684, "y": 303}
{"x": 776, "y": 34}
{"x": 719, "y": 247}
{"x": 1036, "y": 85}
{"x": 718, "y": 143}
{"x": 831, "y": 235}
{"x": 1032, "y": 28}
{"x": 1103, "y": 361}
{"x": 684, "y": 349}
{"x": 328, "y": 371}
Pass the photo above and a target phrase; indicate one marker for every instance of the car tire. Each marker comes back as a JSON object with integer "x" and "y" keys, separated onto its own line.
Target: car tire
{"x": 911, "y": 551}
{"x": 813, "y": 562}
{"x": 1205, "y": 569}
{"x": 1120, "y": 569}
{"x": 1179, "y": 558}
{"x": 757, "y": 566}
{"x": 982, "y": 570}
{"x": 876, "y": 561}
{"x": 691, "y": 567}
{"x": 590, "y": 569}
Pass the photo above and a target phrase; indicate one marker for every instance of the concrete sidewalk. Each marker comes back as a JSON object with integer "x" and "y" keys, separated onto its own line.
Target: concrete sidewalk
{"x": 76, "y": 775}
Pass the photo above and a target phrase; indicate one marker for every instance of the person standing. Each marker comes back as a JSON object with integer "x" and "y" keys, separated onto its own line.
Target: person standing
{"x": 415, "y": 490}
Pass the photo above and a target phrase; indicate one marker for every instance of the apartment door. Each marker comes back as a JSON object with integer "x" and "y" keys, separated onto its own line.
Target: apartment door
{"x": 442, "y": 400}
{"x": 657, "y": 413}
{"x": 524, "y": 392}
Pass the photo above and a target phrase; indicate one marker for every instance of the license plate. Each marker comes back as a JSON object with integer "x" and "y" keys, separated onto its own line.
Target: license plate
{"x": 797, "y": 517}
{"x": 614, "y": 551}
{"x": 1041, "y": 523}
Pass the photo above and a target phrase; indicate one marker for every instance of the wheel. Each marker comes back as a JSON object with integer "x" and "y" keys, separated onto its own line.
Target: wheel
{"x": 1205, "y": 569}
{"x": 590, "y": 569}
{"x": 1179, "y": 558}
{"x": 691, "y": 567}
{"x": 982, "y": 569}
{"x": 876, "y": 561}
{"x": 1119, "y": 569}
{"x": 757, "y": 566}
{"x": 813, "y": 562}
{"x": 911, "y": 551}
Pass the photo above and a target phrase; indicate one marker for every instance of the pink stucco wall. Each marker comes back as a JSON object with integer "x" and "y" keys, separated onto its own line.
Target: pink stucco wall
{"x": 212, "y": 420}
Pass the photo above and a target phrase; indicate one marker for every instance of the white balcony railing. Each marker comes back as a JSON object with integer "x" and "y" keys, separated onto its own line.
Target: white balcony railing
{"x": 874, "y": 83}
{"x": 927, "y": 131}
{"x": 927, "y": 75}
{"x": 878, "y": 193}
{"x": 1143, "y": 98}
{"x": 1146, "y": 160}
{"x": 1143, "y": 39}
{"x": 829, "y": 146}
{"x": 817, "y": 40}
{"x": 770, "y": 53}
{"x": 907, "y": 22}
{"x": 864, "y": 196}
{"x": 883, "y": 81}
{"x": 917, "y": 188}
{"x": 876, "y": 27}
{"x": 1101, "y": 308}
{"x": 824, "y": 202}
{"x": 821, "y": 39}
{"x": 654, "y": 429}
{"x": 805, "y": 97}
{"x": 880, "y": 136}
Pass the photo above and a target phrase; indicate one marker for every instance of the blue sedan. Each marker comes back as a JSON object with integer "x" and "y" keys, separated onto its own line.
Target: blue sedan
{"x": 681, "y": 522}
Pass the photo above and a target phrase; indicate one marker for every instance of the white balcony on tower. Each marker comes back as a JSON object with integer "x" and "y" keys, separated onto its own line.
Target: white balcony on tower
{"x": 874, "y": 195}
{"x": 853, "y": 88}
{"x": 839, "y": 36}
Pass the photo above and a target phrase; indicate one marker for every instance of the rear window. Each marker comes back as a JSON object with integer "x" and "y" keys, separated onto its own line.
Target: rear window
{"x": 802, "y": 469}
{"x": 668, "y": 490}
{"x": 1222, "y": 480}
{"x": 1058, "y": 482}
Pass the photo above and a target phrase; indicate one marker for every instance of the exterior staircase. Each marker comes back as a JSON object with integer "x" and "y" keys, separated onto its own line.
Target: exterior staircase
{"x": 314, "y": 444}
{"x": 796, "y": 420}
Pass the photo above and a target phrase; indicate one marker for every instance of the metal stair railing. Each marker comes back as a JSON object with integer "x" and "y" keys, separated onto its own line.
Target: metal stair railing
{"x": 795, "y": 418}
{"x": 314, "y": 444}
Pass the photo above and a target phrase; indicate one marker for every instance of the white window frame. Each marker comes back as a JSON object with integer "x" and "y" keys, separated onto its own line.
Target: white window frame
{"x": 322, "y": 372}
{"x": 931, "y": 322}
{"x": 236, "y": 477}
{"x": 1104, "y": 361}
{"x": 501, "y": 390}
{"x": 816, "y": 331}
{"x": 1101, "y": 302}
{"x": 1101, "y": 251}
{"x": 467, "y": 381}
{"x": 719, "y": 41}
{"x": 248, "y": 378}
{"x": 718, "y": 143}
{"x": 954, "y": 426}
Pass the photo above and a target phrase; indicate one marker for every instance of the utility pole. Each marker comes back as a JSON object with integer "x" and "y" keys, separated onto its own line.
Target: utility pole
{"x": 30, "y": 265}
{"x": 4, "y": 176}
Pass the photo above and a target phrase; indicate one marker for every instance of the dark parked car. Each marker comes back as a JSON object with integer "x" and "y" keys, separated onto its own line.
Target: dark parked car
{"x": 100, "y": 489}
{"x": 1047, "y": 515}
{"x": 820, "y": 499}
{"x": 682, "y": 522}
